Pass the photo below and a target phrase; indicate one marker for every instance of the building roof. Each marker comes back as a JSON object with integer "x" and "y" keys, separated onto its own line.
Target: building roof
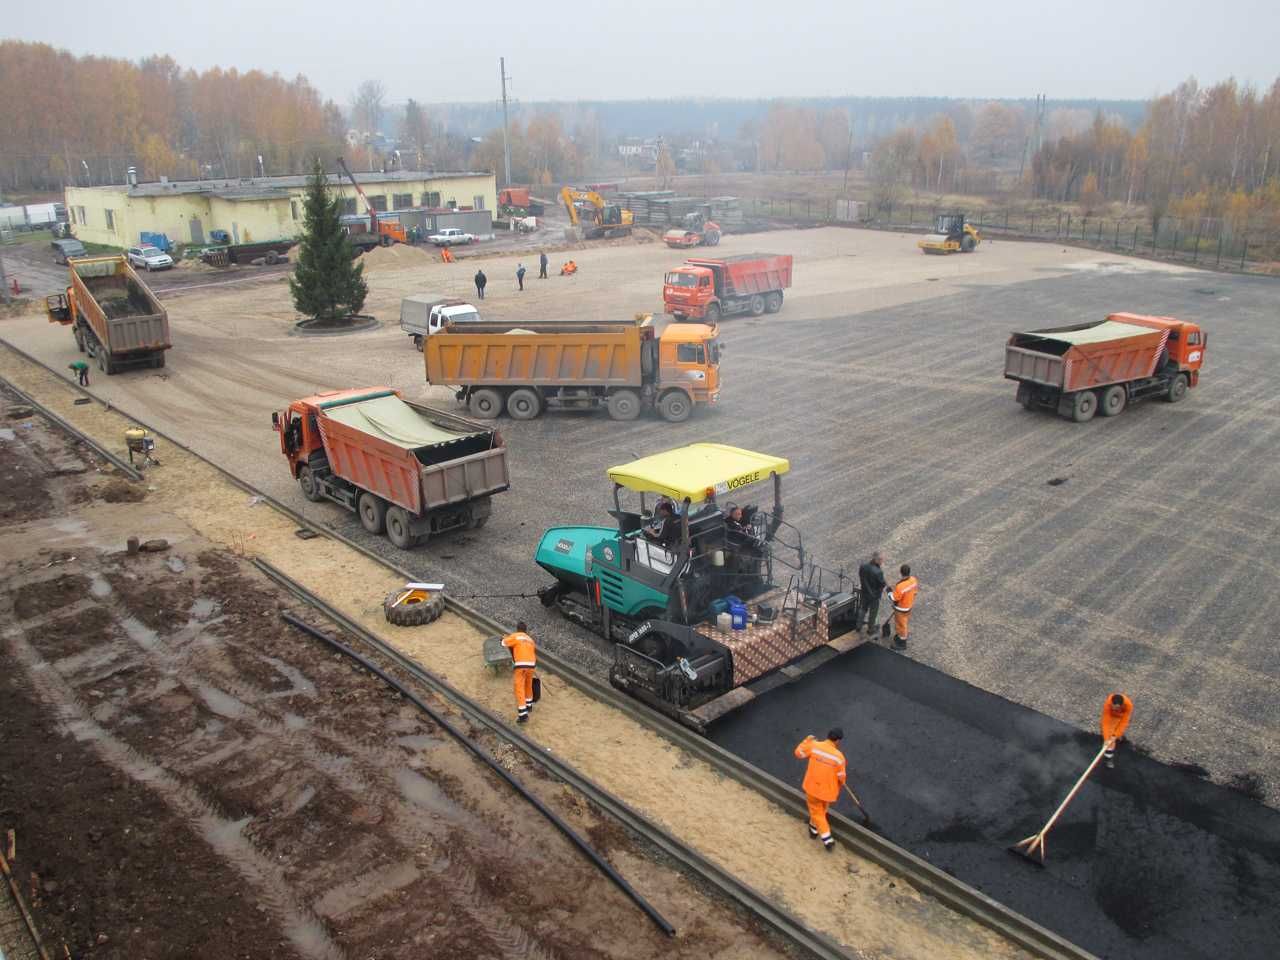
{"x": 275, "y": 188}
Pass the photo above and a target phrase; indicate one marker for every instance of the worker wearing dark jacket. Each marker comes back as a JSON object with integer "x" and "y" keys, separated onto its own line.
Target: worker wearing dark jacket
{"x": 542, "y": 266}
{"x": 823, "y": 780}
{"x": 1116, "y": 712}
{"x": 904, "y": 598}
{"x": 524, "y": 659}
{"x": 871, "y": 583}
{"x": 481, "y": 280}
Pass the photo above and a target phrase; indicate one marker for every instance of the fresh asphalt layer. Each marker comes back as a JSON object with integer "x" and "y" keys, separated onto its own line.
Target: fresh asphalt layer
{"x": 1150, "y": 860}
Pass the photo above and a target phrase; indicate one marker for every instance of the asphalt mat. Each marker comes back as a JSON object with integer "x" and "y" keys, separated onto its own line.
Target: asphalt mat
{"x": 1150, "y": 860}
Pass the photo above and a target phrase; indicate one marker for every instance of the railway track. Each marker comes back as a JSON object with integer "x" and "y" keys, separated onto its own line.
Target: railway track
{"x": 922, "y": 875}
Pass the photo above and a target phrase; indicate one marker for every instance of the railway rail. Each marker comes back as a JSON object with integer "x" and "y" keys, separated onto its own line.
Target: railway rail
{"x": 928, "y": 879}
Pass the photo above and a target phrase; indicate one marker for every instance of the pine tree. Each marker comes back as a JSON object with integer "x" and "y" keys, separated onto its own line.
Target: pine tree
{"x": 327, "y": 284}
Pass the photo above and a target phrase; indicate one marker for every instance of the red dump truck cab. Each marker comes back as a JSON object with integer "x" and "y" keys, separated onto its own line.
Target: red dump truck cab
{"x": 1098, "y": 367}
{"x": 707, "y": 289}
{"x": 407, "y": 470}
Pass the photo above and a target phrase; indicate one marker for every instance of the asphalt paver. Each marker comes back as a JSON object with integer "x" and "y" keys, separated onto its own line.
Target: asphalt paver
{"x": 1149, "y": 861}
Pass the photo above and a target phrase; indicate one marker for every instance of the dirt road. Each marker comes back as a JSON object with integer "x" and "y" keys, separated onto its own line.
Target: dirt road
{"x": 185, "y": 769}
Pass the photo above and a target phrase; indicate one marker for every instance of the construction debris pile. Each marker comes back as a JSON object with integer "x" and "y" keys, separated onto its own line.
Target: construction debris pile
{"x": 662, "y": 208}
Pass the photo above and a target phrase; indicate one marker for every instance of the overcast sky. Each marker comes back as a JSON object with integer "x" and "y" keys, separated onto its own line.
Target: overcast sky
{"x": 438, "y": 51}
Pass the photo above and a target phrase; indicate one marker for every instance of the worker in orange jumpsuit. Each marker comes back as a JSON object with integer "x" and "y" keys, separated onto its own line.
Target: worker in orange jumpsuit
{"x": 569, "y": 269}
{"x": 903, "y": 595}
{"x": 1116, "y": 712}
{"x": 524, "y": 659}
{"x": 823, "y": 780}
{"x": 445, "y": 255}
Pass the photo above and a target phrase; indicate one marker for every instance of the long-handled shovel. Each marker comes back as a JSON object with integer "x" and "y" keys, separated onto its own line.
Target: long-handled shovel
{"x": 866, "y": 817}
{"x": 1033, "y": 845}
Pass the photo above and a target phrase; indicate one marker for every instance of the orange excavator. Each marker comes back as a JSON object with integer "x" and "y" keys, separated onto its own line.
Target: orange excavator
{"x": 387, "y": 231}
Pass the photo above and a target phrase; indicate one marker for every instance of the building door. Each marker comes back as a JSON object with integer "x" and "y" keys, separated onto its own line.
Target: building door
{"x": 197, "y": 231}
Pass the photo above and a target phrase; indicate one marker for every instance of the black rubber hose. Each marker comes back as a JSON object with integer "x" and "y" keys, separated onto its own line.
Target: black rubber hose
{"x": 496, "y": 767}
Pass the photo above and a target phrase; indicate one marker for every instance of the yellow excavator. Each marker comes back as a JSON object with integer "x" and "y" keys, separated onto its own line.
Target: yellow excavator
{"x": 588, "y": 209}
{"x": 952, "y": 233}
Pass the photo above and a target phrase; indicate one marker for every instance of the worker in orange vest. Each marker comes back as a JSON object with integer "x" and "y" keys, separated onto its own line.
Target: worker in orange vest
{"x": 524, "y": 659}
{"x": 822, "y": 781}
{"x": 1116, "y": 712}
{"x": 903, "y": 595}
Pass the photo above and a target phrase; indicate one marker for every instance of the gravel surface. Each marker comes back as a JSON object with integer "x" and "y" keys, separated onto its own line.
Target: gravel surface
{"x": 1149, "y": 861}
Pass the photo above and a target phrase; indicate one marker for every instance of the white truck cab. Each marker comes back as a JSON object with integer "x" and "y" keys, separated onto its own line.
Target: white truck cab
{"x": 423, "y": 314}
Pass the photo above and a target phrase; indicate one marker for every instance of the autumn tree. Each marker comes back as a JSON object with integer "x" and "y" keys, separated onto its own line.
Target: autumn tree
{"x": 367, "y": 104}
{"x": 892, "y": 161}
{"x": 997, "y": 133}
{"x": 326, "y": 284}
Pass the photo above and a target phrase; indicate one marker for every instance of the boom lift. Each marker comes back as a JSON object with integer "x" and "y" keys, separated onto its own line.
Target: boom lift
{"x": 387, "y": 231}
{"x": 607, "y": 219}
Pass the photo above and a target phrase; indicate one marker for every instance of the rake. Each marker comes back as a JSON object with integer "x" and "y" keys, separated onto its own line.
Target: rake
{"x": 1033, "y": 845}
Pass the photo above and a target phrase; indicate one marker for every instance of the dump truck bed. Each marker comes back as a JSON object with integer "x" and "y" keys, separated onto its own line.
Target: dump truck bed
{"x": 1084, "y": 356}
{"x": 538, "y": 354}
{"x": 411, "y": 455}
{"x": 122, "y": 311}
{"x": 749, "y": 273}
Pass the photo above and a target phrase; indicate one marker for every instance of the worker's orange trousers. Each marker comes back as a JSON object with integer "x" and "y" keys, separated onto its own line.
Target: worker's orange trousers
{"x": 900, "y": 623}
{"x": 818, "y": 816}
{"x": 523, "y": 682}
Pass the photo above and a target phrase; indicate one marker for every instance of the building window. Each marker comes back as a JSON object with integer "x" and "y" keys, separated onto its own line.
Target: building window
{"x": 348, "y": 206}
{"x": 479, "y": 202}
{"x": 378, "y": 202}
{"x": 111, "y": 220}
{"x": 402, "y": 201}
{"x": 293, "y": 208}
{"x": 431, "y": 199}
{"x": 82, "y": 219}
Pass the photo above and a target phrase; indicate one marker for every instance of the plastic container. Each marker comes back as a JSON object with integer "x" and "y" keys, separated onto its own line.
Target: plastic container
{"x": 738, "y": 615}
{"x": 724, "y": 621}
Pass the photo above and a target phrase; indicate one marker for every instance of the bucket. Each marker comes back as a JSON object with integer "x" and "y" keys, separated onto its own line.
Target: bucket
{"x": 738, "y": 613}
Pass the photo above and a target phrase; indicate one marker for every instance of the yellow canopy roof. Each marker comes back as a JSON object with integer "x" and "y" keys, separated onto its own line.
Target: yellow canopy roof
{"x": 694, "y": 472}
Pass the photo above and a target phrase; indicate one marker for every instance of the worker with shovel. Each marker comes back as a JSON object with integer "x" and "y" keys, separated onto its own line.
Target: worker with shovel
{"x": 822, "y": 781}
{"x": 524, "y": 659}
{"x": 1116, "y": 712}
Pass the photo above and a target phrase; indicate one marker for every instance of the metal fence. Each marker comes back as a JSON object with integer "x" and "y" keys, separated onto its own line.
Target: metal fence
{"x": 1206, "y": 242}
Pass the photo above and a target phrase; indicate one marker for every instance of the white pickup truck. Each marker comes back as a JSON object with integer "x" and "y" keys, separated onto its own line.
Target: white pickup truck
{"x": 423, "y": 314}
{"x": 450, "y": 236}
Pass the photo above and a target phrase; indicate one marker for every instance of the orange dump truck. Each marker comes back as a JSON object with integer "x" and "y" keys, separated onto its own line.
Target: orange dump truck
{"x": 409, "y": 471}
{"x": 708, "y": 289}
{"x": 115, "y": 317}
{"x": 1099, "y": 367}
{"x": 623, "y": 366}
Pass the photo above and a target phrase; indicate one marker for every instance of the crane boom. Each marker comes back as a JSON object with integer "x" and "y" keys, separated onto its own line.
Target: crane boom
{"x": 373, "y": 214}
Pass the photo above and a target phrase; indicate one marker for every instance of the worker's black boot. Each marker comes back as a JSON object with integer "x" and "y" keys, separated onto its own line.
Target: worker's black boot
{"x": 813, "y": 832}
{"x": 899, "y": 643}
{"x": 829, "y": 843}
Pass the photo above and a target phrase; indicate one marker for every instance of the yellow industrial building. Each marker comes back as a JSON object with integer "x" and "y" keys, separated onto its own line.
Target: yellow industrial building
{"x": 255, "y": 208}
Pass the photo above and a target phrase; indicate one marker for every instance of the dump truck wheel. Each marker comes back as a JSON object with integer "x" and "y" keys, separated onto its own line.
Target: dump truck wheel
{"x": 310, "y": 488}
{"x": 158, "y": 361}
{"x": 524, "y": 404}
{"x": 417, "y": 342}
{"x": 398, "y": 531}
{"x": 713, "y": 313}
{"x": 1177, "y": 389}
{"x": 967, "y": 243}
{"x": 773, "y": 302}
{"x": 373, "y": 512}
{"x": 486, "y": 404}
{"x": 624, "y": 405}
{"x": 713, "y": 239}
{"x": 1083, "y": 406}
{"x": 674, "y": 406}
{"x": 1025, "y": 397}
{"x": 757, "y": 305}
{"x": 1113, "y": 400}
{"x": 413, "y": 612}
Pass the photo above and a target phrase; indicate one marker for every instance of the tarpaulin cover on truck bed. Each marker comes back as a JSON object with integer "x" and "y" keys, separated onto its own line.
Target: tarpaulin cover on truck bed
{"x": 391, "y": 419}
{"x": 1097, "y": 333}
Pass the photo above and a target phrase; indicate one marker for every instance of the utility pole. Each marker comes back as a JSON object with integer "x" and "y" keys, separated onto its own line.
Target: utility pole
{"x": 4, "y": 284}
{"x": 506, "y": 144}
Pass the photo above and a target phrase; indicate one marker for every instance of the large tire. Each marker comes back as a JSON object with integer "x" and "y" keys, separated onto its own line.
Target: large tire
{"x": 524, "y": 404}
{"x": 486, "y": 404}
{"x": 624, "y": 405}
{"x": 1177, "y": 389}
{"x": 1026, "y": 396}
{"x": 675, "y": 406}
{"x": 398, "y": 531}
{"x": 1113, "y": 400}
{"x": 157, "y": 362}
{"x": 310, "y": 489}
{"x": 773, "y": 302}
{"x": 373, "y": 512}
{"x": 417, "y": 342}
{"x": 1083, "y": 406}
{"x": 967, "y": 243}
{"x": 757, "y": 305}
{"x": 412, "y": 613}
{"x": 713, "y": 313}
{"x": 713, "y": 238}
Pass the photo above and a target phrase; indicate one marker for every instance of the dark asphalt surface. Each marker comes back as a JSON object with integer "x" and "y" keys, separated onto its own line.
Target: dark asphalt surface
{"x": 1150, "y": 861}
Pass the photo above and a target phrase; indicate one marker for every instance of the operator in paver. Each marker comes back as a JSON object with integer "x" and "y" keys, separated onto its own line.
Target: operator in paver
{"x": 872, "y": 586}
{"x": 823, "y": 780}
{"x": 524, "y": 659}
{"x": 904, "y": 598}
{"x": 82, "y": 372}
{"x": 1116, "y": 712}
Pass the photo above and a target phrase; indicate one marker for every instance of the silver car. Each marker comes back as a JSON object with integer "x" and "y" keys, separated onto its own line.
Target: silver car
{"x": 150, "y": 258}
